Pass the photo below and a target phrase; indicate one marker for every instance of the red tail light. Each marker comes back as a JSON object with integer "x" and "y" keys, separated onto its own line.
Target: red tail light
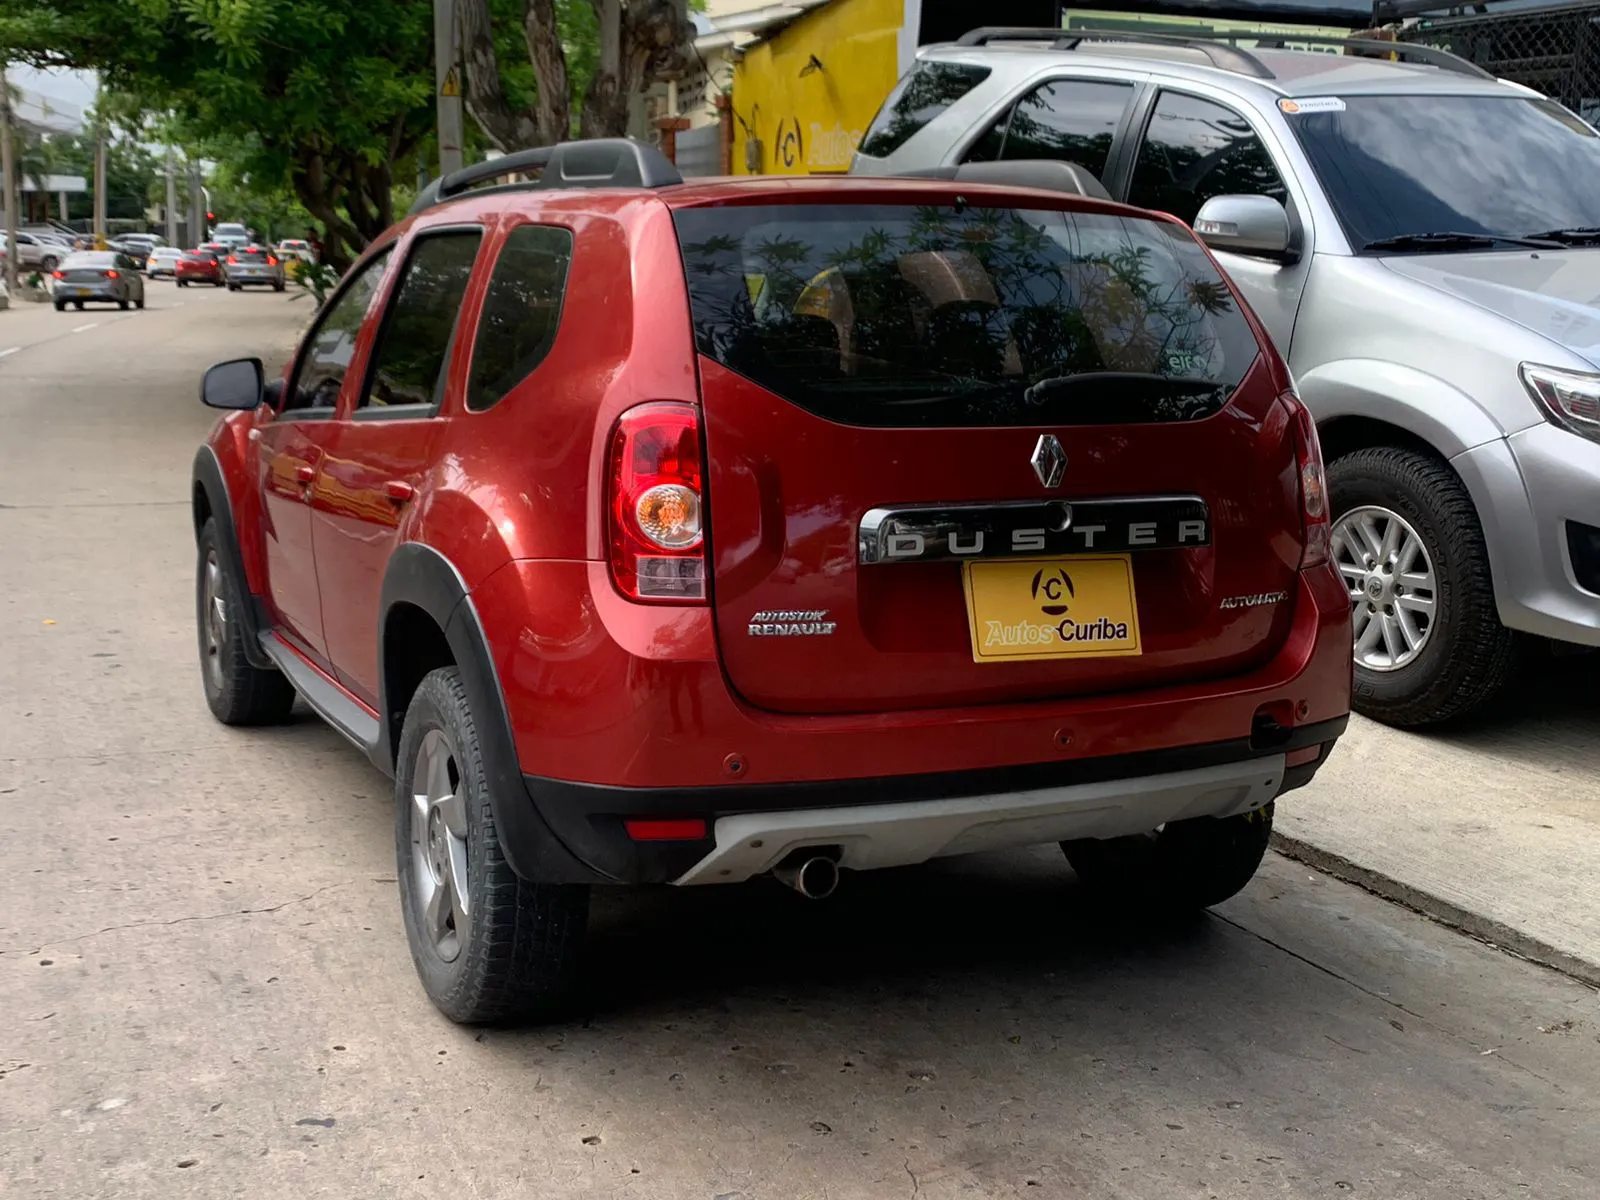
{"x": 271, "y": 262}
{"x": 58, "y": 275}
{"x": 111, "y": 275}
{"x": 657, "y": 523}
{"x": 1313, "y": 483}
{"x": 232, "y": 259}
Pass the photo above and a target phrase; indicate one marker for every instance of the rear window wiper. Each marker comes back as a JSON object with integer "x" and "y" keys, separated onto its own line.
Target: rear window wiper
{"x": 1103, "y": 381}
{"x": 1577, "y": 235}
{"x": 1451, "y": 240}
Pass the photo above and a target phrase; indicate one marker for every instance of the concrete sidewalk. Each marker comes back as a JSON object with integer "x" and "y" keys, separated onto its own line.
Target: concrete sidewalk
{"x": 1494, "y": 828}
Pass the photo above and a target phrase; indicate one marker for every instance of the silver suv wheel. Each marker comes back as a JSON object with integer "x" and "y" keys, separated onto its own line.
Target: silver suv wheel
{"x": 1392, "y": 587}
{"x": 439, "y": 845}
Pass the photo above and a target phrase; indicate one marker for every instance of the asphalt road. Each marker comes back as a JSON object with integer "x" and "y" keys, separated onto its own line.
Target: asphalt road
{"x": 205, "y": 990}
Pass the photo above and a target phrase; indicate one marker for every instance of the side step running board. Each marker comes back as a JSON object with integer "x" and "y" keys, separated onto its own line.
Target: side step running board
{"x": 357, "y": 725}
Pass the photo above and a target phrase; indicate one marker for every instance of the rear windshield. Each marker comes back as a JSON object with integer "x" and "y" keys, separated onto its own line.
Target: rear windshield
{"x": 899, "y": 316}
{"x": 99, "y": 258}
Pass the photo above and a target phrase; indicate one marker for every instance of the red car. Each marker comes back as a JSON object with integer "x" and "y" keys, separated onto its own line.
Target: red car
{"x": 660, "y": 532}
{"x": 199, "y": 266}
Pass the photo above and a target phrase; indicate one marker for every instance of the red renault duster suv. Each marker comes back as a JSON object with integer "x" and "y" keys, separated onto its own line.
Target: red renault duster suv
{"x": 651, "y": 531}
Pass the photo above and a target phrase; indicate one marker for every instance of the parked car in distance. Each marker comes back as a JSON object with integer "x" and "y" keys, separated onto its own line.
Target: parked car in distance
{"x": 199, "y": 266}
{"x": 98, "y": 276}
{"x": 138, "y": 246}
{"x": 163, "y": 261}
{"x": 983, "y": 515}
{"x": 298, "y": 247}
{"x": 248, "y": 265}
{"x": 1434, "y": 325}
{"x": 34, "y": 252}
{"x": 231, "y": 234}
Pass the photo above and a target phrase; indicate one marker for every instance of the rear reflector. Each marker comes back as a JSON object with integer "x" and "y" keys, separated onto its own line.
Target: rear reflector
{"x": 688, "y": 830}
{"x": 1299, "y": 758}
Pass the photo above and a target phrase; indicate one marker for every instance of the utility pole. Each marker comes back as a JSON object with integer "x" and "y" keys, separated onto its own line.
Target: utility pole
{"x": 197, "y": 207}
{"x": 99, "y": 181}
{"x": 447, "y": 80}
{"x": 172, "y": 198}
{"x": 8, "y": 183}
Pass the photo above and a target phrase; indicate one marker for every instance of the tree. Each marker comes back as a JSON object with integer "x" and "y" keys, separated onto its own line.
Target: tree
{"x": 329, "y": 99}
{"x": 538, "y": 71}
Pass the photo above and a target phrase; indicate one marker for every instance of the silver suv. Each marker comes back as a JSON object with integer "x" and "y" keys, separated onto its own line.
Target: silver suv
{"x": 1421, "y": 240}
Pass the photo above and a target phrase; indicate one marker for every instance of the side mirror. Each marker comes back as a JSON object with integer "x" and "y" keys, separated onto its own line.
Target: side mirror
{"x": 1252, "y": 225}
{"x": 233, "y": 385}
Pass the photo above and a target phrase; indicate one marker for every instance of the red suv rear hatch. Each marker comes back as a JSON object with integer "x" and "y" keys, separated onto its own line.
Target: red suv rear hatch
{"x": 967, "y": 454}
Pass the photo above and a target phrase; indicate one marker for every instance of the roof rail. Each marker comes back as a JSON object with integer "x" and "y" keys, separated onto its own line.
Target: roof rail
{"x": 1221, "y": 55}
{"x": 598, "y": 163}
{"x": 1428, "y": 55}
{"x": 1223, "y": 49}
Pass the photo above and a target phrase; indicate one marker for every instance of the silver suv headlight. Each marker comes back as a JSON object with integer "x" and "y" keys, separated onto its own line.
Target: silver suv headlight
{"x": 1570, "y": 399}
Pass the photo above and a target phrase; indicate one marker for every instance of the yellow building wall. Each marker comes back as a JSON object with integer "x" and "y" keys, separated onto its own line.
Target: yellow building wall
{"x": 809, "y": 119}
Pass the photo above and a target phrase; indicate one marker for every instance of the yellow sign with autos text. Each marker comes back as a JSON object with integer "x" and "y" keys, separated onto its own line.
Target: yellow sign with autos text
{"x": 1079, "y": 607}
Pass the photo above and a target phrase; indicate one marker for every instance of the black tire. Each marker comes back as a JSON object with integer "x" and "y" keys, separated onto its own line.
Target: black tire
{"x": 1469, "y": 655}
{"x": 49, "y": 263}
{"x": 521, "y": 955}
{"x": 61, "y": 306}
{"x": 123, "y": 305}
{"x": 183, "y": 283}
{"x": 233, "y": 287}
{"x": 78, "y": 304}
{"x": 277, "y": 287}
{"x": 237, "y": 692}
{"x": 1186, "y": 865}
{"x": 139, "y": 303}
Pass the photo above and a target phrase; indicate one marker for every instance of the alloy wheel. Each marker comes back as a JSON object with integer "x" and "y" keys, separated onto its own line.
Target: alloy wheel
{"x": 215, "y": 621}
{"x": 1392, "y": 584}
{"x": 439, "y": 845}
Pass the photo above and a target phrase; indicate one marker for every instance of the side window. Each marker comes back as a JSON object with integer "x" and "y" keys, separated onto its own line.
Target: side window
{"x": 1073, "y": 120}
{"x": 1195, "y": 149}
{"x": 520, "y": 313}
{"x": 328, "y": 350}
{"x": 413, "y": 347}
{"x": 926, "y": 91}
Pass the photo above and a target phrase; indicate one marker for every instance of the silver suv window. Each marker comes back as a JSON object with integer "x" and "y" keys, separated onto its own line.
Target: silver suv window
{"x": 1071, "y": 119}
{"x": 925, "y": 92}
{"x": 1195, "y": 149}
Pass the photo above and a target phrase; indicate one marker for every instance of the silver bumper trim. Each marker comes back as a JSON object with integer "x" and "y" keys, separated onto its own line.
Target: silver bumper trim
{"x": 893, "y": 835}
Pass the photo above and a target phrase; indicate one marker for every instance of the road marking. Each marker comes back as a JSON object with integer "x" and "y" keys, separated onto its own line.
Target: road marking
{"x": 90, "y": 325}
{"x": 9, "y": 350}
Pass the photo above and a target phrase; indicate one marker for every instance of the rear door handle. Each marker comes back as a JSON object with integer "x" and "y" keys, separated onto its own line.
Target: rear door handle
{"x": 399, "y": 490}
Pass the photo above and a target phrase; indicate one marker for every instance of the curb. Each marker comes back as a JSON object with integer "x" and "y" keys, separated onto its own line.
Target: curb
{"x": 1485, "y": 929}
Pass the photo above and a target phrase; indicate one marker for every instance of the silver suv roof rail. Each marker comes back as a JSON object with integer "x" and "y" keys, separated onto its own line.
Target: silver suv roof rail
{"x": 1222, "y": 49}
{"x": 600, "y": 163}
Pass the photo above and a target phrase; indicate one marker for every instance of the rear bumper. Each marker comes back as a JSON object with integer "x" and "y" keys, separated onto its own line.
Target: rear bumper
{"x": 621, "y": 711}
{"x": 885, "y": 822}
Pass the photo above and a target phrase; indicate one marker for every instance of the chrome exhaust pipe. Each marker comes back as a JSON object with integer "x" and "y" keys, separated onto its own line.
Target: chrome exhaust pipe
{"x": 814, "y": 878}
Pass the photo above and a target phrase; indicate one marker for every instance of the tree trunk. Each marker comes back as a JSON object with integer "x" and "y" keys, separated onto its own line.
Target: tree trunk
{"x": 508, "y": 128}
{"x": 646, "y": 41}
{"x": 554, "y": 105}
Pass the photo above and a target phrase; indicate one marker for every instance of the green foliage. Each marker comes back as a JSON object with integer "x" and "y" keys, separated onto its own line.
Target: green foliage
{"x": 324, "y": 100}
{"x": 315, "y": 280}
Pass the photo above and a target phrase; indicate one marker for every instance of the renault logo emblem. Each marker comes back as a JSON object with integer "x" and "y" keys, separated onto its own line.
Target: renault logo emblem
{"x": 1049, "y": 460}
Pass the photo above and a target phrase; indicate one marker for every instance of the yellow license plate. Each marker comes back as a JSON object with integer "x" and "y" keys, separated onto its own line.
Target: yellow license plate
{"x": 1052, "y": 608}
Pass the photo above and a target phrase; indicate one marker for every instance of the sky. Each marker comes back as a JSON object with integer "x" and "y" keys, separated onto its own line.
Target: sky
{"x": 74, "y": 89}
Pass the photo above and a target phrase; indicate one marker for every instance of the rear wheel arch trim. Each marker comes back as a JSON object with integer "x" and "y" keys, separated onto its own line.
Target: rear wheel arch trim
{"x": 208, "y": 481}
{"x": 421, "y": 577}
